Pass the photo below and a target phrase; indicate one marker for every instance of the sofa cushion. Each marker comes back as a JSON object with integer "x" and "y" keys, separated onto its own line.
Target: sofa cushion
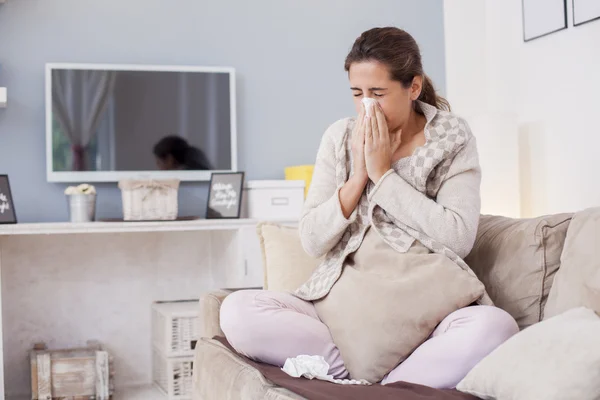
{"x": 517, "y": 259}
{"x": 385, "y": 305}
{"x": 286, "y": 264}
{"x": 577, "y": 283}
{"x": 557, "y": 359}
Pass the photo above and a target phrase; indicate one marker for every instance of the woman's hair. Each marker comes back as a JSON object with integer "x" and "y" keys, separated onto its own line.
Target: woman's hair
{"x": 399, "y": 51}
{"x": 186, "y": 156}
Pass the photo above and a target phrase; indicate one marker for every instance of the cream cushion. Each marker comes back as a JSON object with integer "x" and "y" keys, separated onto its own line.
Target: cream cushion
{"x": 286, "y": 264}
{"x": 517, "y": 260}
{"x": 577, "y": 283}
{"x": 557, "y": 359}
{"x": 385, "y": 304}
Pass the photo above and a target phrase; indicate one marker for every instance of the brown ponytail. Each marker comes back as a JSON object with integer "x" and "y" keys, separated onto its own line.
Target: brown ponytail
{"x": 428, "y": 95}
{"x": 399, "y": 51}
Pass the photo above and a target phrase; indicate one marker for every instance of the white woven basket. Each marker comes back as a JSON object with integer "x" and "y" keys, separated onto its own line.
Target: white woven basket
{"x": 149, "y": 200}
{"x": 173, "y": 376}
{"x": 176, "y": 327}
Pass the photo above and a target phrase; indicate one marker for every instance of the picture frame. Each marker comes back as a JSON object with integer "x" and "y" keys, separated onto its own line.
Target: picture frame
{"x": 225, "y": 195}
{"x": 585, "y": 11}
{"x": 8, "y": 215}
{"x": 543, "y": 17}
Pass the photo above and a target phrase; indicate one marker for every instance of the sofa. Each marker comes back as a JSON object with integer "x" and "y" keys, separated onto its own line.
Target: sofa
{"x": 530, "y": 267}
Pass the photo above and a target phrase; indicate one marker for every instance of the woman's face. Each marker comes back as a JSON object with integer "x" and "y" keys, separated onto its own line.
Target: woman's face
{"x": 372, "y": 79}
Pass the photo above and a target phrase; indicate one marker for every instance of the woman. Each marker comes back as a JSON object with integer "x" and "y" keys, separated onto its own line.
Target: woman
{"x": 394, "y": 207}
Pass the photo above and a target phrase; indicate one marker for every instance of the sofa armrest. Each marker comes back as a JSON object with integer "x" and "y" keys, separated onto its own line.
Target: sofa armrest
{"x": 210, "y": 308}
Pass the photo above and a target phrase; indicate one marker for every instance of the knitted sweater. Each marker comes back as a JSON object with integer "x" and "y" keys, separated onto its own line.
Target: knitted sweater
{"x": 431, "y": 196}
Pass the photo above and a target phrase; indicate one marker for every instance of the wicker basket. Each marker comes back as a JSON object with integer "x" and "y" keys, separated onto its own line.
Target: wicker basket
{"x": 175, "y": 327}
{"x": 149, "y": 200}
{"x": 173, "y": 376}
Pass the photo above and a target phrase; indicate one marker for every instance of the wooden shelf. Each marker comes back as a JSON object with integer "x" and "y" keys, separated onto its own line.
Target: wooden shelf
{"x": 118, "y": 227}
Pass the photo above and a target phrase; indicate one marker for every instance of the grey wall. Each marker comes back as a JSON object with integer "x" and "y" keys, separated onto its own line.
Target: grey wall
{"x": 288, "y": 55}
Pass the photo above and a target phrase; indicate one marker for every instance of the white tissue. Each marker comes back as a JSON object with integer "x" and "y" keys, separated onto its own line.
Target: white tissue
{"x": 315, "y": 367}
{"x": 369, "y": 105}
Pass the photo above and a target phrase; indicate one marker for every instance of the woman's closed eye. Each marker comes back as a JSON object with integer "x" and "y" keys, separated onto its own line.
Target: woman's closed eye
{"x": 374, "y": 94}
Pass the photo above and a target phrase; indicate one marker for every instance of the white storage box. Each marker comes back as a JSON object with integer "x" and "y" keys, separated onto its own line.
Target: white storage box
{"x": 175, "y": 327}
{"x": 173, "y": 376}
{"x": 269, "y": 200}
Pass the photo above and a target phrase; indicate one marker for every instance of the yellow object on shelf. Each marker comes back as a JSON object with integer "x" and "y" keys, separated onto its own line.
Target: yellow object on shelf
{"x": 300, "y": 173}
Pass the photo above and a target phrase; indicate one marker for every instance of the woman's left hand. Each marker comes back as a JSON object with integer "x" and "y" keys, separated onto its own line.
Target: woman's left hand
{"x": 379, "y": 145}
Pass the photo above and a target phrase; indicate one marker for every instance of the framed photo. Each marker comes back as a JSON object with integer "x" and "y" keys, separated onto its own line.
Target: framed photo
{"x": 585, "y": 11}
{"x": 543, "y": 17}
{"x": 225, "y": 195}
{"x": 7, "y": 205}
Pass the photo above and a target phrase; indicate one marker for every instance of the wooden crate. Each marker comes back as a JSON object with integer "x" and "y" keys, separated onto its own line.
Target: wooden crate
{"x": 71, "y": 374}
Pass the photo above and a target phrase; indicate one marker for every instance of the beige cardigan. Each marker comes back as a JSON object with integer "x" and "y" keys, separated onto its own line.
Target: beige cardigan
{"x": 432, "y": 197}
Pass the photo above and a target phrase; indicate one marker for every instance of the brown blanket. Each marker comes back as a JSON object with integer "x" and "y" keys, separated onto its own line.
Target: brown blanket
{"x": 320, "y": 390}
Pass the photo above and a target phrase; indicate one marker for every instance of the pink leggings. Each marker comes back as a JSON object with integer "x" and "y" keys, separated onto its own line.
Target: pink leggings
{"x": 273, "y": 326}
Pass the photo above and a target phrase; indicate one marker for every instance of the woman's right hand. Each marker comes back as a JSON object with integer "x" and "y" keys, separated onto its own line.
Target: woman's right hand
{"x": 352, "y": 190}
{"x": 358, "y": 146}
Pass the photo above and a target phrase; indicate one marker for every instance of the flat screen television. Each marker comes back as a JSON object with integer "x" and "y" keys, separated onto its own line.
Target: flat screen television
{"x": 105, "y": 123}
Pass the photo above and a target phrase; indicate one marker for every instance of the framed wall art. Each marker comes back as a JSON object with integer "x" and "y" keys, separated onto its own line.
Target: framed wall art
{"x": 585, "y": 11}
{"x": 543, "y": 17}
{"x": 7, "y": 205}
{"x": 225, "y": 195}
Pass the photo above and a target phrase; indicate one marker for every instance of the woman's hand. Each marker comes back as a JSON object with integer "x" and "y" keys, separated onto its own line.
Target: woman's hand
{"x": 353, "y": 189}
{"x": 379, "y": 145}
{"x": 358, "y": 147}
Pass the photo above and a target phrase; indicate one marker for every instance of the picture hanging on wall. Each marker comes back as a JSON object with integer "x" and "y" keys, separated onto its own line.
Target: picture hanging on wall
{"x": 225, "y": 195}
{"x": 543, "y": 17}
{"x": 585, "y": 11}
{"x": 7, "y": 206}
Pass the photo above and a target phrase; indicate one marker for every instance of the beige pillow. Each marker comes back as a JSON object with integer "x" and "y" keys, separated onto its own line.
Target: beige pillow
{"x": 386, "y": 304}
{"x": 517, "y": 259}
{"x": 557, "y": 359}
{"x": 577, "y": 283}
{"x": 286, "y": 264}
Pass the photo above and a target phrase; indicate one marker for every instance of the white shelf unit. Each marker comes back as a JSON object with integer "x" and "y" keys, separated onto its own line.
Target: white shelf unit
{"x": 53, "y": 228}
{"x": 66, "y": 283}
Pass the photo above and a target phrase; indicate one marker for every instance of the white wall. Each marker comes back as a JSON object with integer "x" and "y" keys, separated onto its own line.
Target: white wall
{"x": 474, "y": 57}
{"x": 560, "y": 92}
{"x": 547, "y": 93}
